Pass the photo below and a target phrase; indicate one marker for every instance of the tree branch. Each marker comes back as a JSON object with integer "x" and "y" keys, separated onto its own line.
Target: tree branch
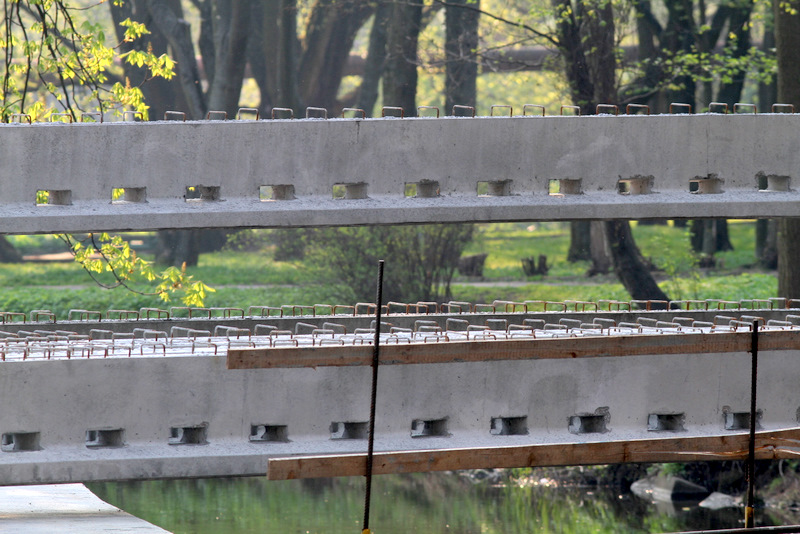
{"x": 504, "y": 20}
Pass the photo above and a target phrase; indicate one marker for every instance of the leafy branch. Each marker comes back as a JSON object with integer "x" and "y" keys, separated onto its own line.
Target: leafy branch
{"x": 103, "y": 253}
{"x": 46, "y": 51}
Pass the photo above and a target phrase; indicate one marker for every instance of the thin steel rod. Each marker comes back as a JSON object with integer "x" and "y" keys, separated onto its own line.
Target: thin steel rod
{"x": 749, "y": 514}
{"x": 375, "y": 359}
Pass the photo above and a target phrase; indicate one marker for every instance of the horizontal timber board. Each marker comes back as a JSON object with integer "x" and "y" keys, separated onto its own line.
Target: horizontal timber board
{"x": 514, "y": 349}
{"x": 775, "y": 444}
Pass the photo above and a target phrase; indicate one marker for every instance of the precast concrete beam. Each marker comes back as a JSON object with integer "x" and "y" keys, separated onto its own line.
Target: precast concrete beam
{"x": 282, "y": 173}
{"x": 165, "y": 411}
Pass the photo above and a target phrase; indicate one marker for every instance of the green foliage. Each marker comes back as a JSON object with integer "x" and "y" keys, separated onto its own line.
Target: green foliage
{"x": 112, "y": 255}
{"x": 508, "y": 243}
{"x": 420, "y": 260}
{"x": 50, "y": 51}
{"x": 248, "y": 275}
{"x": 675, "y": 260}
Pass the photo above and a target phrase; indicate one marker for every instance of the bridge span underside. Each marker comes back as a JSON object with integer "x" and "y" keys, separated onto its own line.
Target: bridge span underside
{"x": 283, "y": 173}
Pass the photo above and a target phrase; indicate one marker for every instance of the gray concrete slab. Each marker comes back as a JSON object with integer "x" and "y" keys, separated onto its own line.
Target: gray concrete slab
{"x": 66, "y": 509}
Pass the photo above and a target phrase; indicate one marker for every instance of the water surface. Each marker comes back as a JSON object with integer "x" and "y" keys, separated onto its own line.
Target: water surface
{"x": 430, "y": 503}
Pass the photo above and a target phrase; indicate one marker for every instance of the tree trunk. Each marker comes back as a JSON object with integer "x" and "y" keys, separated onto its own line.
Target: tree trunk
{"x": 679, "y": 36}
{"x": 767, "y": 243}
{"x": 723, "y": 242}
{"x": 168, "y": 18}
{"x": 710, "y": 236}
{"x": 580, "y": 241}
{"x": 460, "y": 45}
{"x": 8, "y": 254}
{"x": 288, "y": 94}
{"x": 205, "y": 42}
{"x": 648, "y": 29}
{"x": 571, "y": 46}
{"x": 400, "y": 76}
{"x": 600, "y": 249}
{"x": 159, "y": 93}
{"x": 330, "y": 33}
{"x": 767, "y": 91}
{"x": 177, "y": 247}
{"x": 597, "y": 33}
{"x": 738, "y": 35}
{"x": 789, "y": 257}
{"x": 231, "y": 21}
{"x": 629, "y": 265}
{"x": 376, "y": 60}
{"x": 256, "y": 57}
{"x": 787, "y": 39}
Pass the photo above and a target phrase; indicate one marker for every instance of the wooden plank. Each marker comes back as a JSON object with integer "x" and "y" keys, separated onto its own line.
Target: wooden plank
{"x": 776, "y": 444}
{"x": 512, "y": 349}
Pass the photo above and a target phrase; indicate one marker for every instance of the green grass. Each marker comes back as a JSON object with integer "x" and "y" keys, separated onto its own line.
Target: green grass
{"x": 731, "y": 287}
{"x": 247, "y": 268}
{"x": 665, "y": 245}
{"x": 507, "y": 243}
{"x": 246, "y": 278}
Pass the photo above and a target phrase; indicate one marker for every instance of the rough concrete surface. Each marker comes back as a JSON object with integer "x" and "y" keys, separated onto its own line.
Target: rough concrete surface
{"x": 147, "y": 396}
{"x": 65, "y": 509}
{"x": 232, "y": 161}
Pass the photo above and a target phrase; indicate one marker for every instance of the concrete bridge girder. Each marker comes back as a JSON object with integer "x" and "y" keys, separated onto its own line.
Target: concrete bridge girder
{"x": 233, "y": 160}
{"x": 172, "y": 412}
{"x": 147, "y": 397}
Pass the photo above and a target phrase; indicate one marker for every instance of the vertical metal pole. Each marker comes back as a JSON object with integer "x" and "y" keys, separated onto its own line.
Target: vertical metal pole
{"x": 375, "y": 359}
{"x": 749, "y": 514}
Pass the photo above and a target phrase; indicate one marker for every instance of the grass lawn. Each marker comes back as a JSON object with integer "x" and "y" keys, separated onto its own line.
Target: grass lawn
{"x": 245, "y": 279}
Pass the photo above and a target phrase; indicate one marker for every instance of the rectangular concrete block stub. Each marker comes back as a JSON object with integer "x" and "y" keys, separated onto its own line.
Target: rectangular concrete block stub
{"x": 666, "y": 422}
{"x": 189, "y": 435}
{"x": 421, "y": 428}
{"x": 350, "y": 191}
{"x": 125, "y": 195}
{"x": 422, "y": 189}
{"x": 276, "y": 192}
{"x": 20, "y": 442}
{"x": 110, "y": 438}
{"x": 774, "y": 183}
{"x": 565, "y": 186}
{"x": 494, "y": 188}
{"x": 589, "y": 423}
{"x": 635, "y": 185}
{"x": 706, "y": 185}
{"x": 269, "y": 433}
{"x": 53, "y": 197}
{"x": 349, "y": 430}
{"x": 739, "y": 420}
{"x": 203, "y": 193}
{"x": 509, "y": 426}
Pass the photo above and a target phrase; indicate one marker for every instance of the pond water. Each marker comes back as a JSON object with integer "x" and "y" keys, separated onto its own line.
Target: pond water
{"x": 431, "y": 503}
